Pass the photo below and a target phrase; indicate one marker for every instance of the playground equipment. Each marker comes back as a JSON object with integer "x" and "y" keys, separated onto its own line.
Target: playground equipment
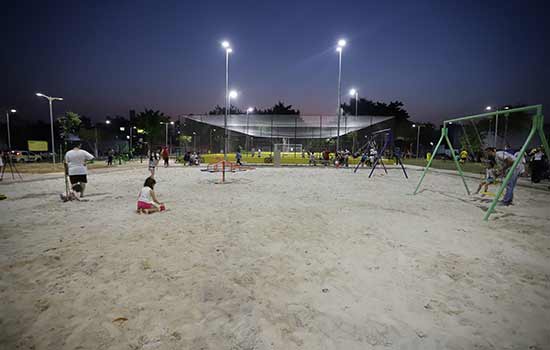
{"x": 536, "y": 127}
{"x": 387, "y": 137}
{"x": 224, "y": 166}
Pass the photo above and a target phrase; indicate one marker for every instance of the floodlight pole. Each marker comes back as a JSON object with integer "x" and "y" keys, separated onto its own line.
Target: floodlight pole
{"x": 339, "y": 98}
{"x": 8, "y": 125}
{"x": 50, "y": 100}
{"x": 418, "y": 140}
{"x": 227, "y": 104}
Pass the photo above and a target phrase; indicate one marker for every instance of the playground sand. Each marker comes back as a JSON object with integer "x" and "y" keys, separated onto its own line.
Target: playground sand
{"x": 295, "y": 258}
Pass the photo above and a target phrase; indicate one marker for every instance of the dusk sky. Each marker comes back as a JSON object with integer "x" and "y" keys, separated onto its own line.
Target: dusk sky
{"x": 441, "y": 58}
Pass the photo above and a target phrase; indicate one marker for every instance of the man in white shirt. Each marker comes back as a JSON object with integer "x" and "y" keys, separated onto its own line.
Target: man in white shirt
{"x": 505, "y": 161}
{"x": 75, "y": 167}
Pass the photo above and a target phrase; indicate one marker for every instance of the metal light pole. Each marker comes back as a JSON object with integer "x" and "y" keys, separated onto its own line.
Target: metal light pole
{"x": 194, "y": 141}
{"x": 417, "y": 138}
{"x": 341, "y": 44}
{"x": 8, "y": 125}
{"x": 488, "y": 109}
{"x": 166, "y": 132}
{"x": 248, "y": 111}
{"x": 232, "y": 95}
{"x": 228, "y": 50}
{"x": 355, "y": 94}
{"x": 50, "y": 100}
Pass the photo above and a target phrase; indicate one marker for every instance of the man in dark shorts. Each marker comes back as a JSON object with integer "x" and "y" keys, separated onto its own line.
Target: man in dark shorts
{"x": 76, "y": 168}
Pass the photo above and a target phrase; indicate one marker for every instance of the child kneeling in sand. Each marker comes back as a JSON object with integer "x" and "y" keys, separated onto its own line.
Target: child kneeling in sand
{"x": 147, "y": 201}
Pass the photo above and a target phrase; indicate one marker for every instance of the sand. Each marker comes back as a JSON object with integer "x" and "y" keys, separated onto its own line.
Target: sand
{"x": 281, "y": 258}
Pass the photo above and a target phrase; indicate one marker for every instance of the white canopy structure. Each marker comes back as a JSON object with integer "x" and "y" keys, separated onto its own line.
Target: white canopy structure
{"x": 289, "y": 126}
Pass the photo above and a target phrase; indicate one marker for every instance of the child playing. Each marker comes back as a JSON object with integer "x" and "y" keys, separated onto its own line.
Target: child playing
{"x": 147, "y": 201}
{"x": 490, "y": 175}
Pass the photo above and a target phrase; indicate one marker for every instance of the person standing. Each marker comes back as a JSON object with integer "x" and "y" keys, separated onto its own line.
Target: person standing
{"x": 110, "y": 156}
{"x": 165, "y": 156}
{"x": 75, "y": 166}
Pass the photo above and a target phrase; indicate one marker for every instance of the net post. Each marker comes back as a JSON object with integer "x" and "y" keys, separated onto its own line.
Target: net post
{"x": 443, "y": 132}
{"x": 456, "y": 162}
{"x": 512, "y": 168}
{"x": 542, "y": 136}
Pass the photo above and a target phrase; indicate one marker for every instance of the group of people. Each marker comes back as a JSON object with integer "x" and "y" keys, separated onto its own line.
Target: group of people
{"x": 192, "y": 158}
{"x": 499, "y": 163}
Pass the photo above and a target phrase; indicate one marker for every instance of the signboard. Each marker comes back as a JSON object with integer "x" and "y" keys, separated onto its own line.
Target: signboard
{"x": 38, "y": 146}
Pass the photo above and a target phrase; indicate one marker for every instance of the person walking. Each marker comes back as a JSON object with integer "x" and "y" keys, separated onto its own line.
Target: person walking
{"x": 75, "y": 167}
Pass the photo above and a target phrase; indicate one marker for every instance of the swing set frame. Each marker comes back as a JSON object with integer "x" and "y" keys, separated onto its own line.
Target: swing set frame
{"x": 537, "y": 126}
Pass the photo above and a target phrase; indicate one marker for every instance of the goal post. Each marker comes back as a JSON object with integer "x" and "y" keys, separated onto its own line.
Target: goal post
{"x": 537, "y": 127}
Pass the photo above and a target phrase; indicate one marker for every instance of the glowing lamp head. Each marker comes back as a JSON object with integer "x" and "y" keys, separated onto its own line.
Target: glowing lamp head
{"x": 250, "y": 110}
{"x": 341, "y": 43}
{"x": 39, "y": 94}
{"x": 107, "y": 122}
{"x": 488, "y": 108}
{"x": 233, "y": 94}
{"x": 13, "y": 110}
{"x": 353, "y": 92}
{"x": 225, "y": 44}
{"x": 414, "y": 125}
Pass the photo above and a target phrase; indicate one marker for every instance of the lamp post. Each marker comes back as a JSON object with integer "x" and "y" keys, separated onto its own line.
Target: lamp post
{"x": 232, "y": 95}
{"x": 417, "y": 138}
{"x": 228, "y": 50}
{"x": 166, "y": 132}
{"x": 211, "y": 130}
{"x": 355, "y": 94}
{"x": 339, "y": 49}
{"x": 488, "y": 109}
{"x": 194, "y": 141}
{"x": 248, "y": 111}
{"x": 8, "y": 125}
{"x": 50, "y": 100}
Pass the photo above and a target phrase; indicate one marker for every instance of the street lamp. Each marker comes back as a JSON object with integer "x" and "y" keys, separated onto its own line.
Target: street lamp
{"x": 166, "y": 125}
{"x": 50, "y": 100}
{"x": 8, "y": 125}
{"x": 194, "y": 141}
{"x": 232, "y": 95}
{"x": 355, "y": 94}
{"x": 107, "y": 122}
{"x": 488, "y": 109}
{"x": 248, "y": 111}
{"x": 228, "y": 50}
{"x": 417, "y": 138}
{"x": 339, "y": 49}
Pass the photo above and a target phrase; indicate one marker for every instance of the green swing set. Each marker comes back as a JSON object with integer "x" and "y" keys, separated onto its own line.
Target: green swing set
{"x": 536, "y": 127}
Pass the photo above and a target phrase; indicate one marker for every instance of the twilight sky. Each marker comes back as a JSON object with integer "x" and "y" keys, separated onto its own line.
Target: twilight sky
{"x": 441, "y": 58}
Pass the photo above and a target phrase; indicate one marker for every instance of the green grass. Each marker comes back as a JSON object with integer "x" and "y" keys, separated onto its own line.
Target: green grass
{"x": 469, "y": 167}
{"x": 288, "y": 158}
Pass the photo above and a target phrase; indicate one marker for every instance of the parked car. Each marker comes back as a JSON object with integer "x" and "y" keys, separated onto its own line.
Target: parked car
{"x": 25, "y": 157}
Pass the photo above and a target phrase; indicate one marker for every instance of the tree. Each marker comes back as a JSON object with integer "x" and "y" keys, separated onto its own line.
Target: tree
{"x": 221, "y": 110}
{"x": 149, "y": 121}
{"x": 185, "y": 139}
{"x": 368, "y": 107}
{"x": 279, "y": 108}
{"x": 69, "y": 124}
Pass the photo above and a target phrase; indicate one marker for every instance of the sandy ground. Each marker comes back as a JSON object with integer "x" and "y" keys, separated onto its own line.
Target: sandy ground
{"x": 297, "y": 258}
